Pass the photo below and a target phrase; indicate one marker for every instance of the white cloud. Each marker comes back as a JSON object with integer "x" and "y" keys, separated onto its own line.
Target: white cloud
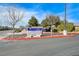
{"x": 28, "y": 13}
{"x": 69, "y": 11}
{"x": 69, "y": 15}
{"x": 34, "y": 12}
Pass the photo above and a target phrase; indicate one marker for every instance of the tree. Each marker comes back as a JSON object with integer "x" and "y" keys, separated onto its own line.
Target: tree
{"x": 60, "y": 27}
{"x": 45, "y": 23}
{"x": 52, "y": 21}
{"x": 33, "y": 21}
{"x": 14, "y": 16}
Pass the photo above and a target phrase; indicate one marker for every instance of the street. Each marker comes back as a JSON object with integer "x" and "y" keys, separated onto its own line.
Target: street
{"x": 41, "y": 47}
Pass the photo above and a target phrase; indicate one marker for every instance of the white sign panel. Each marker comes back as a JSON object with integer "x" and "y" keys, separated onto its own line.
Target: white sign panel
{"x": 34, "y": 31}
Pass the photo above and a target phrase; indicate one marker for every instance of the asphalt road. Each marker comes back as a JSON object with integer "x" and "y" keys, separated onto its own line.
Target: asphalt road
{"x": 42, "y": 47}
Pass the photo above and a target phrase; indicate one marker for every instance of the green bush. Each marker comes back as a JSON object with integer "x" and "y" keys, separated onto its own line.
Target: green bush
{"x": 69, "y": 27}
{"x": 18, "y": 30}
{"x": 55, "y": 30}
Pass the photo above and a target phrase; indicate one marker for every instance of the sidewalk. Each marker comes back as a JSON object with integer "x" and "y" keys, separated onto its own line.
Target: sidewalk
{"x": 4, "y": 35}
{"x": 42, "y": 37}
{"x": 37, "y": 38}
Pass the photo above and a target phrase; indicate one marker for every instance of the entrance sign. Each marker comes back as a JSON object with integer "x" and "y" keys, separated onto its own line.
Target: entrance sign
{"x": 34, "y": 31}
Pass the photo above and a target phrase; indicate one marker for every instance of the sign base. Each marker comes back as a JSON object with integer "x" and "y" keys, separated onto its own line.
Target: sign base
{"x": 65, "y": 32}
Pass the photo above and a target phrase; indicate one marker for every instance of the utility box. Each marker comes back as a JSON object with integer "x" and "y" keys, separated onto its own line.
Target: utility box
{"x": 34, "y": 31}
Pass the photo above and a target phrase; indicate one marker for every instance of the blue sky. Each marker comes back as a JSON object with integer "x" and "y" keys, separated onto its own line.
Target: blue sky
{"x": 40, "y": 10}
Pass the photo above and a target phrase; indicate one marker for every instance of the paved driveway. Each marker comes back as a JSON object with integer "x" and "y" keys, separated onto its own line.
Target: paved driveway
{"x": 44, "y": 47}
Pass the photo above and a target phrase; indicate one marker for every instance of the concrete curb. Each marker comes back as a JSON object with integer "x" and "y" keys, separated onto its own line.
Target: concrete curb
{"x": 43, "y": 37}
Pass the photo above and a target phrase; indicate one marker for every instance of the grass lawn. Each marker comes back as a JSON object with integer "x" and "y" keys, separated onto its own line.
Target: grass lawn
{"x": 17, "y": 36}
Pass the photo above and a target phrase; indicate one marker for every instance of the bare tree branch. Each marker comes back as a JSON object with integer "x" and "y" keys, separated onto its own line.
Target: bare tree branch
{"x": 14, "y": 16}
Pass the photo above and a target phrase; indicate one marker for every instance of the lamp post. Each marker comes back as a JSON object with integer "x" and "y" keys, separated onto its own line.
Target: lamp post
{"x": 65, "y": 18}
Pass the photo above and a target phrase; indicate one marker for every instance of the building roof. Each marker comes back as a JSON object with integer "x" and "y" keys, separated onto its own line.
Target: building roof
{"x": 76, "y": 25}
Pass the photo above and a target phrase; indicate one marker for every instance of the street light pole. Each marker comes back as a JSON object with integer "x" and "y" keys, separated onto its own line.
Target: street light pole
{"x": 65, "y": 18}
